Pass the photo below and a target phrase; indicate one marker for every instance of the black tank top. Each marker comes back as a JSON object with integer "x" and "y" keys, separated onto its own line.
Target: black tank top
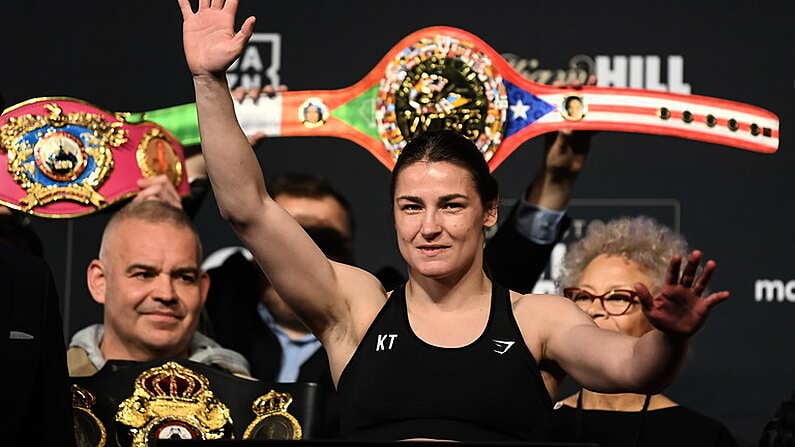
{"x": 396, "y": 386}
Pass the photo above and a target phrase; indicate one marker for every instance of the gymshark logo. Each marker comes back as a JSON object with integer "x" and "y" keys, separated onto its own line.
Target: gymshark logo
{"x": 501, "y": 346}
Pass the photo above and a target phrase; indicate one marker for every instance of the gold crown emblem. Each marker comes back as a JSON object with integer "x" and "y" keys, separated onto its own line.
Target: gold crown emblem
{"x": 273, "y": 402}
{"x": 273, "y": 421}
{"x": 172, "y": 381}
{"x": 171, "y": 400}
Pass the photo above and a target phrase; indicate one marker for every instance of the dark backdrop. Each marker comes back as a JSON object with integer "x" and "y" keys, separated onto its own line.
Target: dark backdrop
{"x": 735, "y": 205}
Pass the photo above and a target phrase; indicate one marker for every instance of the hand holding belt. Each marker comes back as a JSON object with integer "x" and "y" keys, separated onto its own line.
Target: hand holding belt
{"x": 443, "y": 77}
{"x": 65, "y": 157}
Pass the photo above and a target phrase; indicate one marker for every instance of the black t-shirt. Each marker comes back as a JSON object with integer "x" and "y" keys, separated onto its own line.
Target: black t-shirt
{"x": 665, "y": 427}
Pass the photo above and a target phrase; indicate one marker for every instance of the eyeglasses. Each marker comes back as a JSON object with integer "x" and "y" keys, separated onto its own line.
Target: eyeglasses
{"x": 615, "y": 302}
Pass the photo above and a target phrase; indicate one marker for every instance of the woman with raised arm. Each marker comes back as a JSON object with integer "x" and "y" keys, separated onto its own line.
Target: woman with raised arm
{"x": 598, "y": 275}
{"x": 450, "y": 355}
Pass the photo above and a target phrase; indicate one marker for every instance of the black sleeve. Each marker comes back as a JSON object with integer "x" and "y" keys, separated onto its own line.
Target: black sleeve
{"x": 56, "y": 396}
{"x": 513, "y": 260}
{"x": 39, "y": 398}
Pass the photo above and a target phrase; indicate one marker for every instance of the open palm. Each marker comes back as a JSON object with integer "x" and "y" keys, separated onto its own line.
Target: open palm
{"x": 679, "y": 308}
{"x": 209, "y": 38}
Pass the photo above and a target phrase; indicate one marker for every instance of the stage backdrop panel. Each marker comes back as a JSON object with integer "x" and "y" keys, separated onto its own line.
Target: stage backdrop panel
{"x": 735, "y": 205}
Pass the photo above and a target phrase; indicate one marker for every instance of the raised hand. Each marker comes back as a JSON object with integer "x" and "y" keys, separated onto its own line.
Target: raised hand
{"x": 679, "y": 309}
{"x": 158, "y": 188}
{"x": 566, "y": 152}
{"x": 209, "y": 38}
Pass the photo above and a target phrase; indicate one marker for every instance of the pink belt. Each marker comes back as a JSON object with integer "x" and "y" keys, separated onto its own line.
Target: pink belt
{"x": 66, "y": 158}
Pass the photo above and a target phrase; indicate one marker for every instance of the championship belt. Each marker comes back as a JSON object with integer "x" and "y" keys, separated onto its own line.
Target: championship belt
{"x": 137, "y": 404}
{"x": 446, "y": 78}
{"x": 62, "y": 157}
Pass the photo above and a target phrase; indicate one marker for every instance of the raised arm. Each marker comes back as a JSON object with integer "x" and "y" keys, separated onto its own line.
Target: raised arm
{"x": 211, "y": 45}
{"x": 293, "y": 263}
{"x": 194, "y": 160}
{"x": 518, "y": 254}
{"x": 564, "y": 158}
{"x": 607, "y": 361}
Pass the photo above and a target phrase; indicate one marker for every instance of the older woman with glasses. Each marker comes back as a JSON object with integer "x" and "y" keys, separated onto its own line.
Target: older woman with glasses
{"x": 602, "y": 274}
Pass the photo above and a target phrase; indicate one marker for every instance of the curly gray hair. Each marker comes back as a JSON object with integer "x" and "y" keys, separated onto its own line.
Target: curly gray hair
{"x": 639, "y": 239}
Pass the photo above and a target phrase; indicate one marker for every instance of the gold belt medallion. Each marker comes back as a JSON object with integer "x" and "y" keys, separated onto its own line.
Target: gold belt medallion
{"x": 273, "y": 421}
{"x": 438, "y": 83}
{"x": 173, "y": 402}
{"x": 89, "y": 430}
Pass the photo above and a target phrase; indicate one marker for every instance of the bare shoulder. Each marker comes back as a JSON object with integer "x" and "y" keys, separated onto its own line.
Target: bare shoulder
{"x": 536, "y": 315}
{"x": 358, "y": 277}
{"x": 541, "y": 305}
{"x": 547, "y": 314}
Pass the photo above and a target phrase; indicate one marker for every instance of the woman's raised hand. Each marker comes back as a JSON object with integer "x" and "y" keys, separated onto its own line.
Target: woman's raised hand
{"x": 679, "y": 309}
{"x": 209, "y": 38}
